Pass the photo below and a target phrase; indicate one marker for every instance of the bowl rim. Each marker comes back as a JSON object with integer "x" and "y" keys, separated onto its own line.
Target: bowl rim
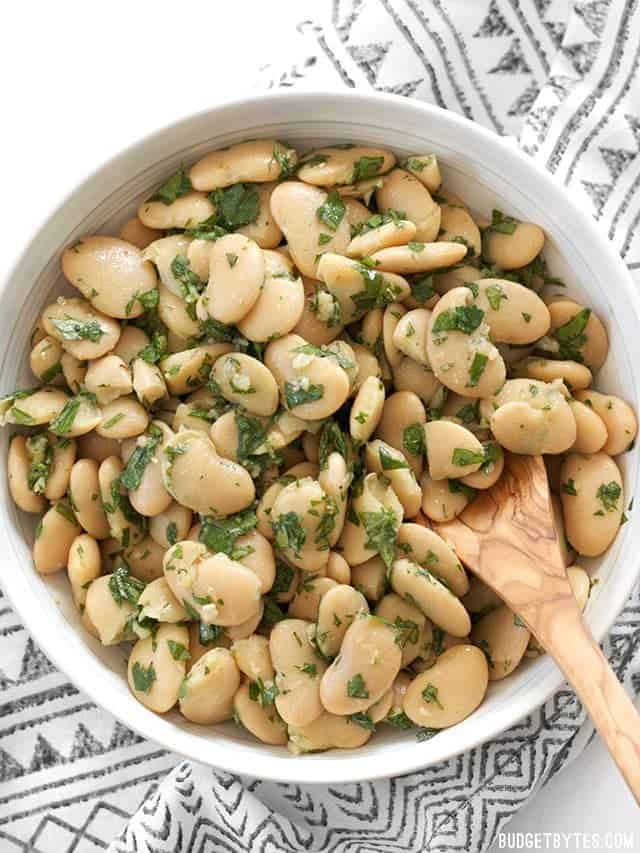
{"x": 348, "y": 766}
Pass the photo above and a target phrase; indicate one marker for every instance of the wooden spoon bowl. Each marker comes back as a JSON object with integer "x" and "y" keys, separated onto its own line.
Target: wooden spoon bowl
{"x": 508, "y": 539}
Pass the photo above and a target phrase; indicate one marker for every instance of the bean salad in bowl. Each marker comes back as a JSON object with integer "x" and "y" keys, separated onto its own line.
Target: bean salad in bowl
{"x": 258, "y": 397}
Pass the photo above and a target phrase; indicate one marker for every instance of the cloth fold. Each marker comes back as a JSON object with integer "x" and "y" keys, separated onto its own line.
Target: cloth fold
{"x": 562, "y": 78}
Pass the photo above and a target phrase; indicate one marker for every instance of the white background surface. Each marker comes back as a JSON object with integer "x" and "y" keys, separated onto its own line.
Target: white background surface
{"x": 80, "y": 81}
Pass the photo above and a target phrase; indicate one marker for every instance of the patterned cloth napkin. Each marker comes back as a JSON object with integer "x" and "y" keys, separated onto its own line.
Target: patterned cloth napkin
{"x": 562, "y": 78}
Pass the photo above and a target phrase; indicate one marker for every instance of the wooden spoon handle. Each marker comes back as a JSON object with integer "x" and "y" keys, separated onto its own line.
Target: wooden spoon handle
{"x": 589, "y": 672}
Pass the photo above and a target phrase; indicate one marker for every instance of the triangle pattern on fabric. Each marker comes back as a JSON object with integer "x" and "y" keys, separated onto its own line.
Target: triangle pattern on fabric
{"x": 598, "y": 193}
{"x": 634, "y": 126}
{"x": 34, "y": 663}
{"x": 594, "y": 14}
{"x": 617, "y": 160}
{"x": 523, "y": 104}
{"x": 44, "y": 756}
{"x": 542, "y": 6}
{"x": 9, "y": 767}
{"x": 123, "y": 736}
{"x": 494, "y": 24}
{"x": 369, "y": 57}
{"x": 84, "y": 744}
{"x": 582, "y": 56}
{"x": 407, "y": 89}
{"x": 513, "y": 61}
{"x": 343, "y": 28}
{"x": 556, "y": 30}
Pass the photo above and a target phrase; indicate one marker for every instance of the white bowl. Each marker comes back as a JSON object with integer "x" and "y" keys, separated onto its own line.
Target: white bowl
{"x": 488, "y": 171}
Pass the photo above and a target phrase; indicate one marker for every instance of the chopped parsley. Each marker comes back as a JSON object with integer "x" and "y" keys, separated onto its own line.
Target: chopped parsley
{"x": 236, "y": 206}
{"x": 77, "y": 330}
{"x": 123, "y": 586}
{"x": 571, "y": 337}
{"x": 430, "y": 694}
{"x": 178, "y": 650}
{"x": 142, "y": 455}
{"x": 365, "y": 168}
{"x": 357, "y": 688}
{"x": 463, "y": 318}
{"x": 289, "y": 533}
{"x": 263, "y": 693}
{"x": 382, "y": 530}
{"x": 477, "y": 369}
{"x": 413, "y": 439}
{"x": 569, "y": 488}
{"x": 389, "y": 462}
{"x": 296, "y": 394}
{"x": 332, "y": 211}
{"x": 462, "y": 457}
{"x": 609, "y": 494}
{"x": 363, "y": 720}
{"x": 495, "y": 294}
{"x": 501, "y": 223}
{"x": 220, "y": 534}
{"x": 143, "y": 678}
{"x": 173, "y": 188}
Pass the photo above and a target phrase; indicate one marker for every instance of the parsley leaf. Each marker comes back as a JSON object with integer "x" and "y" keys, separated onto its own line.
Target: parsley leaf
{"x": 382, "y": 530}
{"x": 191, "y": 285}
{"x": 143, "y": 678}
{"x": 295, "y": 394}
{"x": 289, "y": 533}
{"x": 219, "y": 535}
{"x": 332, "y": 439}
{"x": 463, "y": 318}
{"x": 363, "y": 720}
{"x": 174, "y": 187}
{"x": 378, "y": 291}
{"x": 64, "y": 421}
{"x": 462, "y": 457}
{"x": 495, "y": 294}
{"x": 263, "y": 693}
{"x": 430, "y": 694}
{"x": 178, "y": 650}
{"x": 608, "y": 494}
{"x": 332, "y": 211}
{"x": 357, "y": 688}
{"x": 477, "y": 369}
{"x": 422, "y": 288}
{"x": 501, "y": 223}
{"x": 123, "y": 586}
{"x": 571, "y": 337}
{"x": 365, "y": 168}
{"x": 236, "y": 206}
{"x": 283, "y": 579}
{"x": 569, "y": 488}
{"x": 413, "y": 439}
{"x": 77, "y": 330}
{"x": 389, "y": 462}
{"x": 40, "y": 454}
{"x": 142, "y": 454}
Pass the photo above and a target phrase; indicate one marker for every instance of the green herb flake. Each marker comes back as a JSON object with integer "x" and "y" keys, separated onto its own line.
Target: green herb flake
{"x": 296, "y": 394}
{"x": 236, "y": 206}
{"x": 173, "y": 188}
{"x": 501, "y": 223}
{"x": 332, "y": 211}
{"x": 415, "y": 246}
{"x": 365, "y": 168}
{"x": 609, "y": 494}
{"x": 123, "y": 586}
{"x": 178, "y": 651}
{"x": 263, "y": 693}
{"x": 382, "y": 530}
{"x": 232, "y": 259}
{"x": 430, "y": 694}
{"x": 477, "y": 369}
{"x": 462, "y": 457}
{"x": 389, "y": 462}
{"x": 289, "y": 533}
{"x": 77, "y": 330}
{"x": 219, "y": 535}
{"x": 143, "y": 678}
{"x": 142, "y": 455}
{"x": 569, "y": 488}
{"x": 571, "y": 337}
{"x": 357, "y": 688}
{"x": 495, "y": 294}
{"x": 462, "y": 318}
{"x": 363, "y": 720}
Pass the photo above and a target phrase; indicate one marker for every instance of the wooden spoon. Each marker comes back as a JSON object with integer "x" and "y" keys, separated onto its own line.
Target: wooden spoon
{"x": 508, "y": 539}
